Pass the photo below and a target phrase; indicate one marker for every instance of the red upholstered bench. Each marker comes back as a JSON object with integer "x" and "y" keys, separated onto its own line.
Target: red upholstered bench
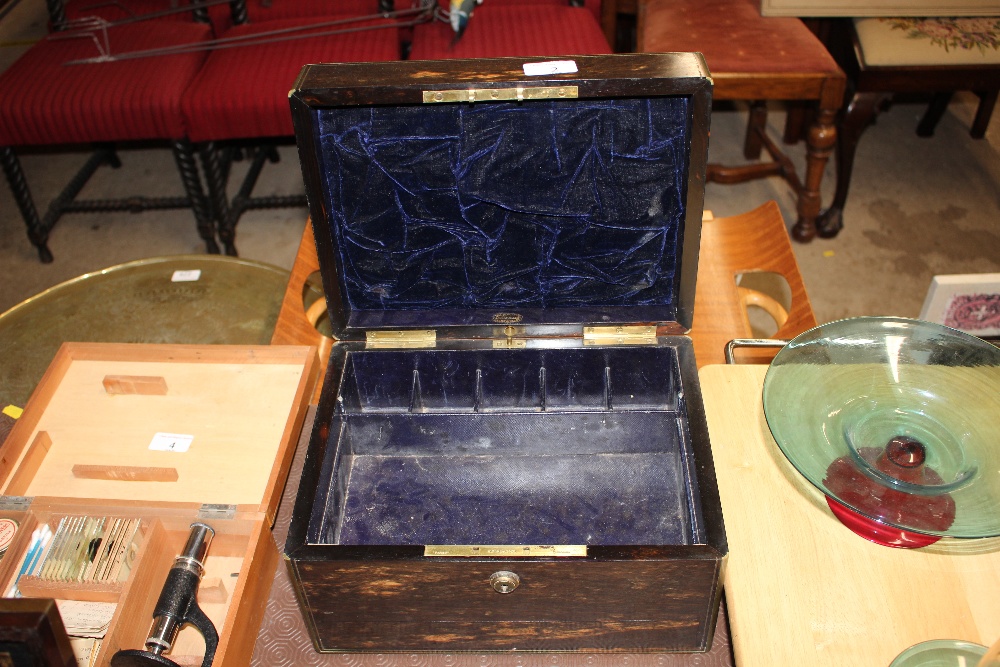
{"x": 242, "y": 94}
{"x": 121, "y": 10}
{"x": 45, "y": 102}
{"x": 514, "y": 29}
{"x": 270, "y": 10}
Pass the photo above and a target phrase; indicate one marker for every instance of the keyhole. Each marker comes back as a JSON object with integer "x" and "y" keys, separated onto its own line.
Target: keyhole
{"x": 504, "y": 581}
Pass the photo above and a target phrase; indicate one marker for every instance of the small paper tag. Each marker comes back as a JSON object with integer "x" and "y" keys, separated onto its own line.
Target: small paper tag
{"x": 188, "y": 276}
{"x": 13, "y": 411}
{"x": 553, "y": 67}
{"x": 171, "y": 442}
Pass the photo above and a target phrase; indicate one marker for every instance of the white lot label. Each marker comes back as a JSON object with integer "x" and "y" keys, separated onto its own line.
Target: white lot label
{"x": 188, "y": 276}
{"x": 553, "y": 67}
{"x": 171, "y": 442}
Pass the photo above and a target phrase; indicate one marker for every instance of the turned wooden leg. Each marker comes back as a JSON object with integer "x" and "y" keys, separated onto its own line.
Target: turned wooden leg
{"x": 819, "y": 144}
{"x": 796, "y": 119}
{"x": 860, "y": 113}
{"x": 37, "y": 233}
{"x": 756, "y": 124}
{"x": 184, "y": 157}
{"x": 987, "y": 100}
{"x": 936, "y": 109}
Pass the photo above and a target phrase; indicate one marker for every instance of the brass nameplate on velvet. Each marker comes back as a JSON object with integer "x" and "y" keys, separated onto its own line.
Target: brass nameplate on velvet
{"x": 506, "y": 550}
{"x": 519, "y": 94}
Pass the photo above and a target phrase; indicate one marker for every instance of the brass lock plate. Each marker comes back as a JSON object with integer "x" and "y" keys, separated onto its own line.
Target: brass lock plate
{"x": 505, "y": 550}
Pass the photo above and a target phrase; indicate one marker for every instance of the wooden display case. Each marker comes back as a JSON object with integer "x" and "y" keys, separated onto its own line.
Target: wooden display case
{"x": 167, "y": 435}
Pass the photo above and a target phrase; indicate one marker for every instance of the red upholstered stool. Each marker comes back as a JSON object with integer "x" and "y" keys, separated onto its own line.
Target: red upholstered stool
{"x": 258, "y": 11}
{"x": 44, "y": 101}
{"x": 270, "y": 10}
{"x": 121, "y": 10}
{"x": 242, "y": 94}
{"x": 593, "y": 5}
{"x": 79, "y": 14}
{"x": 756, "y": 58}
{"x": 535, "y": 30}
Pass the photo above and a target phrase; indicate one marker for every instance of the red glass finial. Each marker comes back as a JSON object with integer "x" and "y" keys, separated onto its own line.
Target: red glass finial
{"x": 905, "y": 452}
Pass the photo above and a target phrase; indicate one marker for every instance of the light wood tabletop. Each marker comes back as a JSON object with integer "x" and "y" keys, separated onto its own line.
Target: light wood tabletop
{"x": 802, "y": 589}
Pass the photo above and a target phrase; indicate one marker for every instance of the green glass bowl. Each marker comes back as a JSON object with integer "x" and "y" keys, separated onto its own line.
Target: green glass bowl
{"x": 941, "y": 653}
{"x": 897, "y": 421}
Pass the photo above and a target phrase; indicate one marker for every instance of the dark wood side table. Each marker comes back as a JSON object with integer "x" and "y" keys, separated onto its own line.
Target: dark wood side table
{"x": 756, "y": 58}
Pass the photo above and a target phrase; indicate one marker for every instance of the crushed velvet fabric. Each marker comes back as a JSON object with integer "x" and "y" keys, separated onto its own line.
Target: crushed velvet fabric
{"x": 534, "y": 206}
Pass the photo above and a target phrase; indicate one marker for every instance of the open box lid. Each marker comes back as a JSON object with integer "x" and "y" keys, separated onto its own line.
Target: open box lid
{"x": 469, "y": 196}
{"x": 162, "y": 426}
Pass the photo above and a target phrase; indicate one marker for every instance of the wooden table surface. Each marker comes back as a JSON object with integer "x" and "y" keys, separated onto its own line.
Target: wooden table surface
{"x": 804, "y": 590}
{"x": 753, "y": 241}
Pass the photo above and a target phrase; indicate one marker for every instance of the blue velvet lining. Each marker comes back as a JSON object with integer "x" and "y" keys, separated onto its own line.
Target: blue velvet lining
{"x": 507, "y": 206}
{"x": 584, "y": 446}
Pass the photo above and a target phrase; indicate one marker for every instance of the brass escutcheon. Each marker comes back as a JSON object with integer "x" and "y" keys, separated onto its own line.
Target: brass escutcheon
{"x": 504, "y": 581}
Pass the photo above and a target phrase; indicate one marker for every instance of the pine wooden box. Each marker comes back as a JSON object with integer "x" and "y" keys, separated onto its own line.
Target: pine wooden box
{"x": 509, "y": 262}
{"x": 82, "y": 448}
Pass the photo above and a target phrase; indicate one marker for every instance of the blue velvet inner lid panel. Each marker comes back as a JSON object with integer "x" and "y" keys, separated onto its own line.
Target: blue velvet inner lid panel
{"x": 586, "y": 446}
{"x": 535, "y": 207}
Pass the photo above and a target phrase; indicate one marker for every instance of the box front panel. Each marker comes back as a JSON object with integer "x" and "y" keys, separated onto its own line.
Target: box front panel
{"x": 571, "y": 605}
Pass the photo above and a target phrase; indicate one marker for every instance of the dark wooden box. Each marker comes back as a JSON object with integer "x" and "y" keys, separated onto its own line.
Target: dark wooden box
{"x": 510, "y": 451}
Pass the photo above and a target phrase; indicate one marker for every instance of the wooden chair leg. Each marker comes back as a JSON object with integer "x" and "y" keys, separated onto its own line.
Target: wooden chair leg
{"x": 188, "y": 169}
{"x": 936, "y": 109}
{"x": 987, "y": 100}
{"x": 216, "y": 176}
{"x": 860, "y": 113}
{"x": 756, "y": 125}
{"x": 37, "y": 234}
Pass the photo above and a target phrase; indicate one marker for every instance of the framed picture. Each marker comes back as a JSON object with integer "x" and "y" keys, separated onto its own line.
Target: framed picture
{"x": 970, "y": 302}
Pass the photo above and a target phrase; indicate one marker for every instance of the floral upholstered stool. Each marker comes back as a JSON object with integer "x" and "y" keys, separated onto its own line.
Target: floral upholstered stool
{"x": 885, "y": 56}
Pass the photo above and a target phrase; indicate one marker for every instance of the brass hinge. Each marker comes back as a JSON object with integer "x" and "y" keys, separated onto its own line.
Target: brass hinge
{"x": 15, "y": 503}
{"x": 404, "y": 338}
{"x": 520, "y": 93}
{"x": 213, "y": 511}
{"x": 506, "y": 550}
{"x": 620, "y": 335}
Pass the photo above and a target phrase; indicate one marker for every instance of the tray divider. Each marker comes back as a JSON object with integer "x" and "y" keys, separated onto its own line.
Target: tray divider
{"x": 541, "y": 388}
{"x": 607, "y": 389}
{"x": 477, "y": 401}
{"x": 416, "y": 399}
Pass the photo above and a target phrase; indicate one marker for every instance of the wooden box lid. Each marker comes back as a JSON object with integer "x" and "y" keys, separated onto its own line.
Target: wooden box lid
{"x": 162, "y": 425}
{"x": 469, "y": 195}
